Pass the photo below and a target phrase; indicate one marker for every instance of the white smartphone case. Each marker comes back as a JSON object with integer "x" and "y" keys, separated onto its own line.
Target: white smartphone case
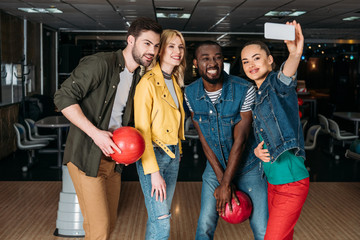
{"x": 279, "y": 31}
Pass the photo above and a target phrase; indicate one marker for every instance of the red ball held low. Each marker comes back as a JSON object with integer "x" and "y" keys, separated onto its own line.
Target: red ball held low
{"x": 131, "y": 143}
{"x": 239, "y": 213}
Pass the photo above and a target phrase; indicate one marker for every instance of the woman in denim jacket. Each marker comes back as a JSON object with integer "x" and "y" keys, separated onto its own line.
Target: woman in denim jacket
{"x": 279, "y": 133}
{"x": 159, "y": 115}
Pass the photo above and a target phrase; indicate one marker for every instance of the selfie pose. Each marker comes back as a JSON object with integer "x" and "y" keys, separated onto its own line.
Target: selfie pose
{"x": 279, "y": 133}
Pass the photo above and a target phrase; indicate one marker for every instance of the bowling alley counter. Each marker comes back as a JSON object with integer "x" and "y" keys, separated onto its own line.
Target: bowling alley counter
{"x": 29, "y": 209}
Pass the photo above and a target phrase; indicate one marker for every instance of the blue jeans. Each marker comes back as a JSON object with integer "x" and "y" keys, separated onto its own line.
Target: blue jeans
{"x": 252, "y": 183}
{"x": 169, "y": 167}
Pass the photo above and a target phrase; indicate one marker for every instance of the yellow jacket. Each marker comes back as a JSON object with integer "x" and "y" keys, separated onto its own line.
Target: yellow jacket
{"x": 157, "y": 117}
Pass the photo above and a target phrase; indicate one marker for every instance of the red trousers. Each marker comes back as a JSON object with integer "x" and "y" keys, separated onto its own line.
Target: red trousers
{"x": 285, "y": 202}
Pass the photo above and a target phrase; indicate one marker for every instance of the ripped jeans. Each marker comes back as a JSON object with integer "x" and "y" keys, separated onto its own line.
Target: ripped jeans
{"x": 158, "y": 223}
{"x": 252, "y": 183}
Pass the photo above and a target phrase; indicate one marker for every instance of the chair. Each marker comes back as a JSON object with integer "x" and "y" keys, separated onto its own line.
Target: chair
{"x": 342, "y": 136}
{"x": 324, "y": 124}
{"x": 311, "y": 137}
{"x": 356, "y": 157}
{"x": 24, "y": 144}
{"x": 310, "y": 144}
{"x": 304, "y": 124}
{"x": 191, "y": 134}
{"x": 33, "y": 132}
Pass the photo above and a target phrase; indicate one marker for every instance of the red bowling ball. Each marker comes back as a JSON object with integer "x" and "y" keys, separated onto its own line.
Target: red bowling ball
{"x": 131, "y": 143}
{"x": 240, "y": 212}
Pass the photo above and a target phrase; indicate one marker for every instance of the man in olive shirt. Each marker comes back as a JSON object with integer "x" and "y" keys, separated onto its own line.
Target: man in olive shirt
{"x": 98, "y": 98}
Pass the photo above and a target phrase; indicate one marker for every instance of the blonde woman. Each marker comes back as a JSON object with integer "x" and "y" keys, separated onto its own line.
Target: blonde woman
{"x": 159, "y": 115}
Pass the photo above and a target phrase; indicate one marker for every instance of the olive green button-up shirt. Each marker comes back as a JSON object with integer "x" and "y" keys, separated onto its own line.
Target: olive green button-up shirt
{"x": 93, "y": 85}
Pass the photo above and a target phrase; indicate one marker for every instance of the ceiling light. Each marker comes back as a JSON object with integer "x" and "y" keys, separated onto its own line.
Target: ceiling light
{"x": 222, "y": 36}
{"x": 297, "y": 13}
{"x": 350, "y": 18}
{"x": 54, "y": 10}
{"x": 40, "y": 10}
{"x": 173, "y": 15}
{"x": 28, "y": 10}
{"x": 277, "y": 13}
{"x": 218, "y": 22}
{"x": 284, "y": 13}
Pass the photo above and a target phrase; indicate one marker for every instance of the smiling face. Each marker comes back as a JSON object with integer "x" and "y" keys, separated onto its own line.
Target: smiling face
{"x": 172, "y": 55}
{"x": 210, "y": 63}
{"x": 256, "y": 63}
{"x": 146, "y": 47}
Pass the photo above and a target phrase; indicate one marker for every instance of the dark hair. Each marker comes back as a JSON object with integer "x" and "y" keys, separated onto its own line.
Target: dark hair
{"x": 143, "y": 24}
{"x": 262, "y": 46}
{"x": 203, "y": 43}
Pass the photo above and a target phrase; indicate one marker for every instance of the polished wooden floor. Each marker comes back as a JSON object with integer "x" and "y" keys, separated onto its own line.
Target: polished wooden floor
{"x": 28, "y": 211}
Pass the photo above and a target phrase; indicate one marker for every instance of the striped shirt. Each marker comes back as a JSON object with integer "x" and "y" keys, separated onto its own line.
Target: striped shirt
{"x": 249, "y": 99}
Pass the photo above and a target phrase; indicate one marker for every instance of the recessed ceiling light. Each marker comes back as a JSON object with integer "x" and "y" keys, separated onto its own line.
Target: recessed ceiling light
{"x": 40, "y": 10}
{"x": 277, "y": 13}
{"x": 222, "y": 36}
{"x": 28, "y": 10}
{"x": 284, "y": 13}
{"x": 54, "y": 10}
{"x": 297, "y": 13}
{"x": 173, "y": 15}
{"x": 353, "y": 18}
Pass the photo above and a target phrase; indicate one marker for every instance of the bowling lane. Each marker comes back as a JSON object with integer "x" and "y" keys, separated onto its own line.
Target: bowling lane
{"x": 28, "y": 211}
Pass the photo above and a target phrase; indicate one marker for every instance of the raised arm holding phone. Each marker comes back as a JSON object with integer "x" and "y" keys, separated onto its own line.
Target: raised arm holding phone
{"x": 279, "y": 132}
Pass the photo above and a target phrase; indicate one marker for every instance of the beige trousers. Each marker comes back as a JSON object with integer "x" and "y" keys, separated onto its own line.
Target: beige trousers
{"x": 98, "y": 198}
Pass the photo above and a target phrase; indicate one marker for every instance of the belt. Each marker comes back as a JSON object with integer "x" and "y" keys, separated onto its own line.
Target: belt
{"x": 163, "y": 147}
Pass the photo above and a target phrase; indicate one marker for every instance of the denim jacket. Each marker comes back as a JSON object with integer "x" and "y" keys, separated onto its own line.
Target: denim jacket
{"x": 217, "y": 120}
{"x": 276, "y": 115}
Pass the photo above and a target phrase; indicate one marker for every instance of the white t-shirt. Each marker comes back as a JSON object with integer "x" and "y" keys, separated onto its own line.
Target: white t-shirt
{"x": 121, "y": 96}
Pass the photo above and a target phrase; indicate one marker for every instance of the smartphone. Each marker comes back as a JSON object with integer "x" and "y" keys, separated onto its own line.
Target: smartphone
{"x": 279, "y": 31}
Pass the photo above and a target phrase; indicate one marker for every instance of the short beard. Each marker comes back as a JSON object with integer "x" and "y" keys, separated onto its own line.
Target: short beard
{"x": 138, "y": 59}
{"x": 213, "y": 81}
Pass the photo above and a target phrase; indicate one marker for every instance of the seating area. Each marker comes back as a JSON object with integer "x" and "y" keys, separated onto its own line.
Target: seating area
{"x": 30, "y": 146}
{"x": 340, "y": 135}
{"x": 33, "y": 132}
{"x": 311, "y": 137}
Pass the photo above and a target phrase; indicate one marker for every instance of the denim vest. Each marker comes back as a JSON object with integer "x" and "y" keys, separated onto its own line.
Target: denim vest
{"x": 276, "y": 115}
{"x": 217, "y": 120}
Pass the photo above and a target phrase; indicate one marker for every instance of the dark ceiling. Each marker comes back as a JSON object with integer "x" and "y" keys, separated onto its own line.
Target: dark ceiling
{"x": 323, "y": 20}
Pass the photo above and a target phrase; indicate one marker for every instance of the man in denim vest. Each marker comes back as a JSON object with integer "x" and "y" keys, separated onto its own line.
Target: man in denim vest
{"x": 220, "y": 106}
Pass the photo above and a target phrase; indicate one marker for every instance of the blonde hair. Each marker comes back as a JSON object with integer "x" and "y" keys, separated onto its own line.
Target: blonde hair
{"x": 165, "y": 38}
